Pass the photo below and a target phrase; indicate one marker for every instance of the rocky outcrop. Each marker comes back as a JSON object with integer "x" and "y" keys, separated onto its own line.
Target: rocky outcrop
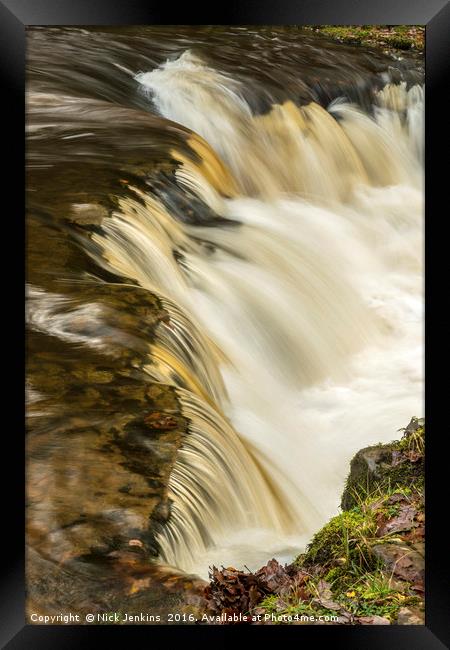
{"x": 365, "y": 567}
{"x": 399, "y": 463}
{"x": 102, "y": 439}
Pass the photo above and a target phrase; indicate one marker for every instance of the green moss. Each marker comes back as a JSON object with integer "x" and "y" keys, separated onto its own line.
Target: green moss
{"x": 339, "y": 568}
{"x": 343, "y": 540}
{"x": 342, "y": 577}
{"x": 387, "y": 467}
{"x": 397, "y": 37}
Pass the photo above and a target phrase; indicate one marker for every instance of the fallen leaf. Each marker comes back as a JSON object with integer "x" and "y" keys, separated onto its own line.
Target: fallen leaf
{"x": 413, "y": 456}
{"x": 327, "y": 603}
{"x": 403, "y": 521}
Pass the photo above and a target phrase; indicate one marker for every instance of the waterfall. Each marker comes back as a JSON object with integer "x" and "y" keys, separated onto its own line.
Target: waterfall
{"x": 295, "y": 330}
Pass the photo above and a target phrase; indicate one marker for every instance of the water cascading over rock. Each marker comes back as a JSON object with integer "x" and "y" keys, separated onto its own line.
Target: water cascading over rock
{"x": 280, "y": 248}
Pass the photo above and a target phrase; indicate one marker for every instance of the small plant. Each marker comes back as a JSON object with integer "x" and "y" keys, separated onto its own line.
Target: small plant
{"x": 414, "y": 441}
{"x": 373, "y": 595}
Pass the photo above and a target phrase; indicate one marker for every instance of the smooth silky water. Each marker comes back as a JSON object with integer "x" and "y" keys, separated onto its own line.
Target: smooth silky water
{"x": 295, "y": 335}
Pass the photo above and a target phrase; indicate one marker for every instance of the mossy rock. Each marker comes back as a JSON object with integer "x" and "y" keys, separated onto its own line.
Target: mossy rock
{"x": 386, "y": 466}
{"x": 341, "y": 541}
{"x": 366, "y": 565}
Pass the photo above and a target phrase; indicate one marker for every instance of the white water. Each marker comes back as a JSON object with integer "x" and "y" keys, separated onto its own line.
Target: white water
{"x": 311, "y": 309}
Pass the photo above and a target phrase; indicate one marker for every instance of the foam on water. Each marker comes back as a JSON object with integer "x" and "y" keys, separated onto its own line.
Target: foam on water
{"x": 311, "y": 307}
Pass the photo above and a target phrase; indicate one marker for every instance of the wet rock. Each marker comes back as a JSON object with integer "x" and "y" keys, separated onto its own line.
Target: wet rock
{"x": 122, "y": 582}
{"x": 158, "y": 420}
{"x": 97, "y": 474}
{"x": 88, "y": 213}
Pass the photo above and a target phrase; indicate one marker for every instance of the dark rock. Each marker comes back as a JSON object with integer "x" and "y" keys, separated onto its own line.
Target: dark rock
{"x": 393, "y": 464}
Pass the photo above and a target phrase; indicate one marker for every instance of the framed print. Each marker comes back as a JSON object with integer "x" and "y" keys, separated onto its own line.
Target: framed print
{"x": 226, "y": 423}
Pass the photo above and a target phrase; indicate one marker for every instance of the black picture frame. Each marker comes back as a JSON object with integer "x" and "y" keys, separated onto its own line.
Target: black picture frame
{"x": 15, "y": 16}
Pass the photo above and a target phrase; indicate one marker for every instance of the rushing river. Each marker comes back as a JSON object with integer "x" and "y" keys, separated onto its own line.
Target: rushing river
{"x": 224, "y": 281}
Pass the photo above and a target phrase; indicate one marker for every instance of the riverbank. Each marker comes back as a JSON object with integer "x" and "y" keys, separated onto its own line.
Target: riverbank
{"x": 366, "y": 566}
{"x": 397, "y": 37}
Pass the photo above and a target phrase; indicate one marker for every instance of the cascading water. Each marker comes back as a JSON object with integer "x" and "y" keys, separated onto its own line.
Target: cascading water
{"x": 294, "y": 335}
{"x": 311, "y": 304}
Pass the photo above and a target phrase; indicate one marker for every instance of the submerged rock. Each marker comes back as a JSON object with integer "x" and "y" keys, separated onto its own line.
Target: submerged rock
{"x": 102, "y": 439}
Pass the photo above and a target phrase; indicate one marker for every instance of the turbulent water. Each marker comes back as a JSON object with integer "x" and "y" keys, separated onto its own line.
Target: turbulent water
{"x": 272, "y": 201}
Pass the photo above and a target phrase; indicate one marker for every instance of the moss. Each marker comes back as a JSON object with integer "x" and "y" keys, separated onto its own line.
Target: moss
{"x": 340, "y": 554}
{"x": 383, "y": 478}
{"x": 350, "y": 571}
{"x": 386, "y": 467}
{"x": 343, "y": 539}
{"x": 398, "y": 37}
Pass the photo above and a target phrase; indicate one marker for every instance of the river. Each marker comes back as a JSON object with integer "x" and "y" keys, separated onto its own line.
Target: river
{"x": 224, "y": 282}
